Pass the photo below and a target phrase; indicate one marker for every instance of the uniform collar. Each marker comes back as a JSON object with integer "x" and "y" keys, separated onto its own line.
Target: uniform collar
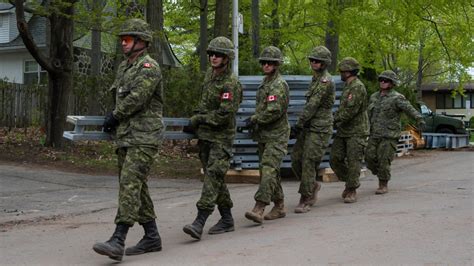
{"x": 221, "y": 75}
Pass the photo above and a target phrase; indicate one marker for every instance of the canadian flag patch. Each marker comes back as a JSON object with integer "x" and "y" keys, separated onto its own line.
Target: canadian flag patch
{"x": 349, "y": 97}
{"x": 226, "y": 96}
{"x": 147, "y": 65}
{"x": 271, "y": 98}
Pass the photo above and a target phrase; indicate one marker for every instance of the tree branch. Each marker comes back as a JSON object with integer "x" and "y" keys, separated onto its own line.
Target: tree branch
{"x": 28, "y": 38}
{"x": 438, "y": 33}
{"x": 30, "y": 10}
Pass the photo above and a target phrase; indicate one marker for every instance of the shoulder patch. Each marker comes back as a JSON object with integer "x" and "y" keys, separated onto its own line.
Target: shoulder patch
{"x": 147, "y": 65}
{"x": 349, "y": 97}
{"x": 271, "y": 98}
{"x": 226, "y": 96}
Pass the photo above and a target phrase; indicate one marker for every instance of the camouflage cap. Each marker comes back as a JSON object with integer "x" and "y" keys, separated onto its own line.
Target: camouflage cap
{"x": 271, "y": 53}
{"x": 389, "y": 74}
{"x": 221, "y": 45}
{"x": 137, "y": 27}
{"x": 321, "y": 53}
{"x": 349, "y": 64}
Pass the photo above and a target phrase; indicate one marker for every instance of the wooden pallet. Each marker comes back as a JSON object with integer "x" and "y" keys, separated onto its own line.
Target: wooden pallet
{"x": 242, "y": 176}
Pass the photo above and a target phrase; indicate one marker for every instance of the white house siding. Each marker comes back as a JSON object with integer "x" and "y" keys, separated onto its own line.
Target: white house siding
{"x": 11, "y": 66}
{"x": 13, "y": 28}
{"x": 4, "y": 28}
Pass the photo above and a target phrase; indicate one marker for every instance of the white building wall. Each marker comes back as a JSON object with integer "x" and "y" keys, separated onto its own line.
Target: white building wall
{"x": 11, "y": 66}
{"x": 4, "y": 28}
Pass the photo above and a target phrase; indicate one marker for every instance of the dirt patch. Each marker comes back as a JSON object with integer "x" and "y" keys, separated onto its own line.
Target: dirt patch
{"x": 177, "y": 159}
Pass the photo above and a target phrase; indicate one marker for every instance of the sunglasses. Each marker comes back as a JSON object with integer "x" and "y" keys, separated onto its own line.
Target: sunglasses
{"x": 315, "y": 61}
{"x": 270, "y": 63}
{"x": 384, "y": 80}
{"x": 127, "y": 39}
{"x": 215, "y": 54}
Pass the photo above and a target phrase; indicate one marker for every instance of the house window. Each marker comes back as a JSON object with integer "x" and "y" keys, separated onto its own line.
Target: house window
{"x": 33, "y": 73}
{"x": 458, "y": 101}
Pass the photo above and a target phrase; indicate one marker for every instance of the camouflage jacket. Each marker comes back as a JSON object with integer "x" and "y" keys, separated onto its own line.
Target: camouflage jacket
{"x": 138, "y": 92}
{"x": 271, "y": 118}
{"x": 317, "y": 112}
{"x": 384, "y": 114}
{"x": 351, "y": 118}
{"x": 220, "y": 99}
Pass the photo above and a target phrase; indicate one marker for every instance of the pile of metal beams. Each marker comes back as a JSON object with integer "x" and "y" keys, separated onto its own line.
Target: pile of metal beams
{"x": 443, "y": 140}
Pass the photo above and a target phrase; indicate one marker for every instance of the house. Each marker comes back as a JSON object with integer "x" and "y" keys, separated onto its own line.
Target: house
{"x": 440, "y": 98}
{"x": 18, "y": 66}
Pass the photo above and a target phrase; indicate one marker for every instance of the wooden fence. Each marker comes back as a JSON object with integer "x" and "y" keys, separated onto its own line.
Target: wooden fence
{"x": 24, "y": 106}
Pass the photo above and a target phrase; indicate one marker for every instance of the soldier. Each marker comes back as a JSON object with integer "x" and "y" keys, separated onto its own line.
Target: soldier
{"x": 352, "y": 125}
{"x": 385, "y": 108}
{"x": 313, "y": 128}
{"x": 271, "y": 130}
{"x": 215, "y": 125}
{"x": 137, "y": 125}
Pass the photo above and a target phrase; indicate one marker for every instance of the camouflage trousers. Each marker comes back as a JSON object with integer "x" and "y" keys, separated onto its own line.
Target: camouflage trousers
{"x": 306, "y": 157}
{"x": 379, "y": 156}
{"x": 135, "y": 204}
{"x": 347, "y": 154}
{"x": 270, "y": 157}
{"x": 215, "y": 159}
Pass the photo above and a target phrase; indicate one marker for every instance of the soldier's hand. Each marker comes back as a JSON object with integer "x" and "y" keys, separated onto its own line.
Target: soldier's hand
{"x": 196, "y": 120}
{"x": 248, "y": 122}
{"x": 295, "y": 131}
{"x": 189, "y": 129}
{"x": 110, "y": 123}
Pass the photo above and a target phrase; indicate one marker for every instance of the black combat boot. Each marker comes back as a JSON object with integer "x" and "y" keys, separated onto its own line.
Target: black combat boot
{"x": 114, "y": 246}
{"x": 195, "y": 229}
{"x": 225, "y": 224}
{"x": 150, "y": 242}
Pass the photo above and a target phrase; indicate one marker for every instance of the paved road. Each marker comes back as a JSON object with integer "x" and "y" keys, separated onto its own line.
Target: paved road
{"x": 54, "y": 218}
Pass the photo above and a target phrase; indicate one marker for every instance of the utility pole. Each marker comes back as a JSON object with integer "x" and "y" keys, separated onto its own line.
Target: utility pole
{"x": 235, "y": 36}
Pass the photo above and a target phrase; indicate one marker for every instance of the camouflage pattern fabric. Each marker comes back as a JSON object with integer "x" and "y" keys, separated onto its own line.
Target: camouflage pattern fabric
{"x": 351, "y": 118}
{"x": 347, "y": 154}
{"x": 271, "y": 53}
{"x": 385, "y": 113}
{"x": 271, "y": 118}
{"x": 215, "y": 159}
{"x": 317, "y": 112}
{"x": 321, "y": 53}
{"x": 348, "y": 64}
{"x": 220, "y": 100}
{"x": 379, "y": 156}
{"x": 137, "y": 27}
{"x": 306, "y": 157}
{"x": 134, "y": 204}
{"x": 270, "y": 156}
{"x": 139, "y": 103}
{"x": 272, "y": 131}
{"x": 221, "y": 45}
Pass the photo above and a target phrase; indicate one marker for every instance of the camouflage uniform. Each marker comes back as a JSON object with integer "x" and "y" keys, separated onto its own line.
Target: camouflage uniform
{"x": 272, "y": 131}
{"x": 351, "y": 123}
{"x": 384, "y": 115}
{"x": 139, "y": 103}
{"x": 315, "y": 122}
{"x": 220, "y": 101}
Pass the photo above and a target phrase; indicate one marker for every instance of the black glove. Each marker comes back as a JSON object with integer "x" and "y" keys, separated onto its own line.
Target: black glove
{"x": 110, "y": 123}
{"x": 295, "y": 131}
{"x": 248, "y": 122}
{"x": 189, "y": 129}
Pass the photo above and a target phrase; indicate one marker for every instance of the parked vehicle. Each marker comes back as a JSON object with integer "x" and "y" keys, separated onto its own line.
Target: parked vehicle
{"x": 438, "y": 123}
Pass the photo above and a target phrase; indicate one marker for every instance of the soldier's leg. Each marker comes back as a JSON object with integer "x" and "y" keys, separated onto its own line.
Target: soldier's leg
{"x": 270, "y": 188}
{"x": 355, "y": 154}
{"x": 338, "y": 156}
{"x": 135, "y": 168}
{"x": 386, "y": 152}
{"x": 219, "y": 163}
{"x": 297, "y": 155}
{"x": 371, "y": 155}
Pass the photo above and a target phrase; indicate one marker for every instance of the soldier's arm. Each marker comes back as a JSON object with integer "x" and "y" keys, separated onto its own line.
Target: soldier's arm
{"x": 230, "y": 100}
{"x": 312, "y": 105}
{"x": 353, "y": 103}
{"x": 277, "y": 104}
{"x": 404, "y": 105}
{"x": 144, "y": 86}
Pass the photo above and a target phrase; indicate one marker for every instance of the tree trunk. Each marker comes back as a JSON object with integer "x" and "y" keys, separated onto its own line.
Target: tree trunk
{"x": 60, "y": 81}
{"x": 221, "y": 19}
{"x": 154, "y": 17}
{"x": 332, "y": 33}
{"x": 203, "y": 35}
{"x": 419, "y": 77}
{"x": 96, "y": 59}
{"x": 255, "y": 28}
{"x": 275, "y": 39}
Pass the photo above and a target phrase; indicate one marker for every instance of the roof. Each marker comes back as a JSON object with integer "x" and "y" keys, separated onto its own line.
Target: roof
{"x": 469, "y": 86}
{"x": 6, "y": 6}
{"x": 37, "y": 26}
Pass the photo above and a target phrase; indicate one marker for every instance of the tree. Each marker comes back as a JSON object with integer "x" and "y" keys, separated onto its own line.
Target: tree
{"x": 255, "y": 28}
{"x": 202, "y": 34}
{"x": 154, "y": 11}
{"x": 221, "y": 18}
{"x": 59, "y": 62}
